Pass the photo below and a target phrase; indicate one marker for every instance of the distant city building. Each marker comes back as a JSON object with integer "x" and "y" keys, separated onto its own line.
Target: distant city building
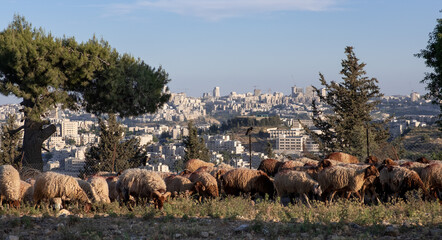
{"x": 414, "y": 96}
{"x": 216, "y": 92}
{"x": 256, "y": 92}
{"x": 68, "y": 128}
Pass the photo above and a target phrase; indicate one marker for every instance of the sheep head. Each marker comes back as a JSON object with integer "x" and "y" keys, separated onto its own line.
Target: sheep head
{"x": 372, "y": 160}
{"x": 371, "y": 171}
{"x": 389, "y": 161}
{"x": 264, "y": 184}
{"x": 160, "y": 198}
{"x": 324, "y": 164}
{"x": 317, "y": 190}
{"x": 423, "y": 160}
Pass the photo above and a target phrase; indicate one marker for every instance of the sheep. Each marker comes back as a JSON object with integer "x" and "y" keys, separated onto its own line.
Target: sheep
{"x": 432, "y": 178}
{"x": 270, "y": 166}
{"x": 50, "y": 185}
{"x": 205, "y": 184}
{"x": 26, "y": 192}
{"x": 194, "y": 164}
{"x": 29, "y": 173}
{"x": 112, "y": 186}
{"x": 101, "y": 188}
{"x": 88, "y": 189}
{"x": 340, "y": 178}
{"x": 142, "y": 183}
{"x": 398, "y": 180}
{"x": 308, "y": 161}
{"x": 291, "y": 164}
{"x": 296, "y": 182}
{"x": 10, "y": 185}
{"x": 372, "y": 160}
{"x": 177, "y": 184}
{"x": 244, "y": 180}
{"x": 415, "y": 166}
{"x": 343, "y": 157}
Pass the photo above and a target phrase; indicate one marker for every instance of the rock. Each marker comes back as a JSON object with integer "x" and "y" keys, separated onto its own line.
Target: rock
{"x": 204, "y": 234}
{"x": 178, "y": 235}
{"x": 391, "y": 231}
{"x": 345, "y": 228}
{"x": 436, "y": 232}
{"x": 12, "y": 237}
{"x": 63, "y": 213}
{"x": 304, "y": 235}
{"x": 212, "y": 233}
{"x": 241, "y": 228}
{"x": 354, "y": 225}
{"x": 334, "y": 237}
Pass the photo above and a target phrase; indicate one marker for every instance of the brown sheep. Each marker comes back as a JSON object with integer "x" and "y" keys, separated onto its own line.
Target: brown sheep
{"x": 205, "y": 184}
{"x": 193, "y": 164}
{"x": 343, "y": 157}
{"x": 344, "y": 179}
{"x": 288, "y": 165}
{"x": 244, "y": 180}
{"x": 372, "y": 160}
{"x": 432, "y": 179}
{"x": 177, "y": 184}
{"x": 270, "y": 166}
{"x": 398, "y": 180}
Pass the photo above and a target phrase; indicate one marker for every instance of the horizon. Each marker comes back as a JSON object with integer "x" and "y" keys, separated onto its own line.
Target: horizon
{"x": 244, "y": 45}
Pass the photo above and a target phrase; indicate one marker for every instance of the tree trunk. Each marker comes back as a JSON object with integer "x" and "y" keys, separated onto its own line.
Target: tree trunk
{"x": 33, "y": 138}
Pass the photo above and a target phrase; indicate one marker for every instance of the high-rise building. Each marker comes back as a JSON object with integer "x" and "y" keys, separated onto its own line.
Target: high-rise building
{"x": 296, "y": 91}
{"x": 69, "y": 128}
{"x": 216, "y": 92}
{"x": 414, "y": 96}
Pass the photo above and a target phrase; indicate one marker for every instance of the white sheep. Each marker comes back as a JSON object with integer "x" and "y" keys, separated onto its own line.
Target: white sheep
{"x": 50, "y": 185}
{"x": 142, "y": 183}
{"x": 296, "y": 182}
{"x": 101, "y": 188}
{"x": 10, "y": 185}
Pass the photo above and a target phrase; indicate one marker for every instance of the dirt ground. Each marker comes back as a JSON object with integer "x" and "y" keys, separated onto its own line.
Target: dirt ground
{"x": 67, "y": 226}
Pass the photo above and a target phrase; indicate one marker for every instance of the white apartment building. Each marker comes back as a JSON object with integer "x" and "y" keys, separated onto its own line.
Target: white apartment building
{"x": 69, "y": 128}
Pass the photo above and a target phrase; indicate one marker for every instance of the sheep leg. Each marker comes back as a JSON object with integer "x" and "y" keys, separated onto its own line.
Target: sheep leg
{"x": 331, "y": 196}
{"x": 307, "y": 202}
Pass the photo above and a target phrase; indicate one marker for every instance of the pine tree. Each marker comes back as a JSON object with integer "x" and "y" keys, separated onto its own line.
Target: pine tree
{"x": 195, "y": 146}
{"x": 10, "y": 143}
{"x": 433, "y": 59}
{"x": 269, "y": 150}
{"x": 351, "y": 101}
{"x": 113, "y": 154}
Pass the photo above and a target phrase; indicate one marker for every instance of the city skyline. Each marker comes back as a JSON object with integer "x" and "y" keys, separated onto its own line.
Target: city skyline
{"x": 245, "y": 45}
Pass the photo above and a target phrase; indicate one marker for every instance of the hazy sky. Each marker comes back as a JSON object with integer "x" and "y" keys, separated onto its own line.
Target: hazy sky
{"x": 240, "y": 45}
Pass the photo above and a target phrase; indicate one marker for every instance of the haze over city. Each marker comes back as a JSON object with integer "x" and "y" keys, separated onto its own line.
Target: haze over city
{"x": 241, "y": 45}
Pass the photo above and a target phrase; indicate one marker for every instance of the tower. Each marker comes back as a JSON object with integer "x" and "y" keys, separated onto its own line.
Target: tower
{"x": 216, "y": 92}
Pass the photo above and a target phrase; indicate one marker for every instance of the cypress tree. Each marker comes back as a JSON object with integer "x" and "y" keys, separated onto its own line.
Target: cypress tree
{"x": 351, "y": 101}
{"x": 195, "y": 146}
{"x": 113, "y": 154}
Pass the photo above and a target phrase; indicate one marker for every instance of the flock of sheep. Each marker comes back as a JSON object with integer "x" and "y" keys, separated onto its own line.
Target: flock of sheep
{"x": 338, "y": 173}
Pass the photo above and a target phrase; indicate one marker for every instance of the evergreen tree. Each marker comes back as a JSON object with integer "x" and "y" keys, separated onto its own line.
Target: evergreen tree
{"x": 10, "y": 143}
{"x": 46, "y": 71}
{"x": 195, "y": 146}
{"x": 351, "y": 101}
{"x": 269, "y": 150}
{"x": 433, "y": 59}
{"x": 112, "y": 153}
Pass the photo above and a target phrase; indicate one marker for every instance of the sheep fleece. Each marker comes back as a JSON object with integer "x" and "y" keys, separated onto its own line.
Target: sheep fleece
{"x": 9, "y": 183}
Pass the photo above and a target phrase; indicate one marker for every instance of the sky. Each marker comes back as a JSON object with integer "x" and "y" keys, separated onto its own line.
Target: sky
{"x": 242, "y": 45}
